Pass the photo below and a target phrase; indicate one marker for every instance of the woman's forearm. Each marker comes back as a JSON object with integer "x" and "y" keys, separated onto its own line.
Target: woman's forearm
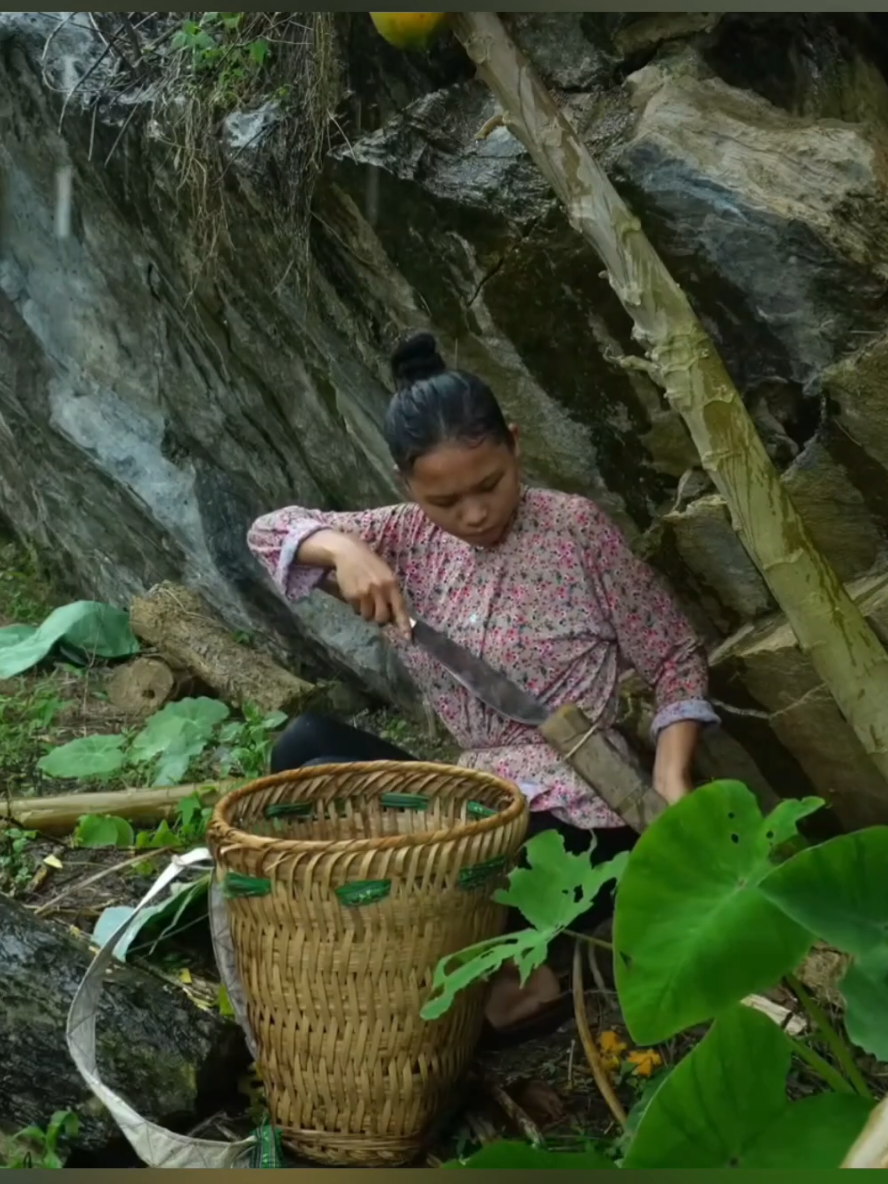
{"x": 674, "y": 763}
{"x": 324, "y": 547}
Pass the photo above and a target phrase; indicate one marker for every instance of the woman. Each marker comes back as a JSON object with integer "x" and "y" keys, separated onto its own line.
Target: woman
{"x": 540, "y": 584}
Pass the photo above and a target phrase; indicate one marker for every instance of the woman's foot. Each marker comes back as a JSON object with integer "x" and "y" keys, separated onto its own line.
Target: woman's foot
{"x": 509, "y": 1003}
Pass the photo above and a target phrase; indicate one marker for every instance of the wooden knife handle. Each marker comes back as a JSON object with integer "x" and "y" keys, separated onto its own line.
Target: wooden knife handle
{"x": 625, "y": 788}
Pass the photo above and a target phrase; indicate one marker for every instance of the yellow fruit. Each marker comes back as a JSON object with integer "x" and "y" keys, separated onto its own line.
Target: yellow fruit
{"x": 409, "y": 30}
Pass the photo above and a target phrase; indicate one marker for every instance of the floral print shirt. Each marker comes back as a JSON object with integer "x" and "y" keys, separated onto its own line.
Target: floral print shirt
{"x": 561, "y": 606}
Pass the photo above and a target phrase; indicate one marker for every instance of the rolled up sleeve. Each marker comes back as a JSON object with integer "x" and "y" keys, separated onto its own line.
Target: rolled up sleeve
{"x": 275, "y": 540}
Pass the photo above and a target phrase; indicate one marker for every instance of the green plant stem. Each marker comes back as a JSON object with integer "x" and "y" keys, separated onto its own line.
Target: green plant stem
{"x": 831, "y": 1038}
{"x": 822, "y": 1068}
{"x": 592, "y": 941}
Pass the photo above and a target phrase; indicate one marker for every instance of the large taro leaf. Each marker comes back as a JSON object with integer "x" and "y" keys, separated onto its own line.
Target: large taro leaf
{"x": 84, "y": 758}
{"x": 693, "y": 932}
{"x": 176, "y": 735}
{"x": 839, "y": 890}
{"x": 551, "y": 892}
{"x": 92, "y": 629}
{"x": 725, "y": 1106}
{"x": 865, "y": 990}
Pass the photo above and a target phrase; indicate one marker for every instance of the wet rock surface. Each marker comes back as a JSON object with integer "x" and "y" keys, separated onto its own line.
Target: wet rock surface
{"x": 144, "y": 420}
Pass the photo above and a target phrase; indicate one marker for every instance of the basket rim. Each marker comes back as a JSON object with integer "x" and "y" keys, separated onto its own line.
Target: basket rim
{"x": 222, "y": 834}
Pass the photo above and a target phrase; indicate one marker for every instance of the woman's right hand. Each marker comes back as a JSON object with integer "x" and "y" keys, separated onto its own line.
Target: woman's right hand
{"x": 368, "y": 584}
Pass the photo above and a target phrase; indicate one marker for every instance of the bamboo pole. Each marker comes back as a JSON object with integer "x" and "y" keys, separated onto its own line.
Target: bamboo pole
{"x": 683, "y": 360}
{"x": 60, "y": 815}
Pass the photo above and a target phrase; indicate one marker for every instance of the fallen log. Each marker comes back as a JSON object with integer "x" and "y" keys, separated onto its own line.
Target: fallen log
{"x": 60, "y": 815}
{"x": 189, "y": 636}
{"x": 144, "y": 686}
{"x": 171, "y": 1060}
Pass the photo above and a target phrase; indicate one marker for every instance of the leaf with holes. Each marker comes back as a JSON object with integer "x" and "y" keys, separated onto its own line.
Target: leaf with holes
{"x": 725, "y": 1106}
{"x": 551, "y": 893}
{"x": 693, "y": 932}
{"x": 527, "y": 949}
{"x": 557, "y": 887}
{"x": 90, "y": 756}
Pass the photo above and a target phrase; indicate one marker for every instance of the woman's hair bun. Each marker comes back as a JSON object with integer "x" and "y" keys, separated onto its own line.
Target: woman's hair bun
{"x": 416, "y": 358}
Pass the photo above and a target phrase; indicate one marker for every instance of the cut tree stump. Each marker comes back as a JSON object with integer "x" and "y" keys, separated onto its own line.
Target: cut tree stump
{"x": 189, "y": 636}
{"x": 145, "y": 685}
{"x": 169, "y": 1059}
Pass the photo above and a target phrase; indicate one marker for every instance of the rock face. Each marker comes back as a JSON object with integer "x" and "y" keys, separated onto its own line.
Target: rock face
{"x": 143, "y": 423}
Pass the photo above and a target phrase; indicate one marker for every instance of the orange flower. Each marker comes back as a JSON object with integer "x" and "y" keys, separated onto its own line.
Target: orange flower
{"x": 645, "y": 1061}
{"x": 611, "y": 1046}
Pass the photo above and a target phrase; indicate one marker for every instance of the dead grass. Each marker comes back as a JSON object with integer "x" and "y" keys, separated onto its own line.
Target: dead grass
{"x": 205, "y": 67}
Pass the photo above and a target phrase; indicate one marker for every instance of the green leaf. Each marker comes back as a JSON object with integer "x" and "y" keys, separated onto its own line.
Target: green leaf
{"x": 96, "y": 830}
{"x": 258, "y": 51}
{"x": 90, "y": 756}
{"x": 838, "y": 890}
{"x": 223, "y": 1002}
{"x": 175, "y": 736}
{"x": 551, "y": 893}
{"x": 817, "y": 1132}
{"x": 178, "y": 723}
{"x": 556, "y": 887}
{"x": 96, "y": 630}
{"x": 528, "y": 949}
{"x": 865, "y": 991}
{"x": 693, "y": 932}
{"x": 725, "y": 1094}
{"x": 173, "y": 765}
{"x": 507, "y": 1155}
{"x": 63, "y": 1124}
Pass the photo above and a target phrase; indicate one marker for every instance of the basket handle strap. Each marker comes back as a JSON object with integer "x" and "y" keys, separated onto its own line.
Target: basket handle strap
{"x": 154, "y": 1145}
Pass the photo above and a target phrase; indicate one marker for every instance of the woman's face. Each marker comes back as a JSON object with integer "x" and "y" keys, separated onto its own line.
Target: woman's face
{"x": 469, "y": 490}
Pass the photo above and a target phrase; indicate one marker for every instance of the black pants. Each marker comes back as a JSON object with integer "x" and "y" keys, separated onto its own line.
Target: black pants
{"x": 320, "y": 740}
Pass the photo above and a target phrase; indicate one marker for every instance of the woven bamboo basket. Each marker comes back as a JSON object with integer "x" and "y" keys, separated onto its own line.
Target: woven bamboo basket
{"x": 345, "y": 886}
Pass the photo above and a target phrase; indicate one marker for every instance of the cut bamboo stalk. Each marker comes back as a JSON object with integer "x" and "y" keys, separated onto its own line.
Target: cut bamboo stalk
{"x": 683, "y": 360}
{"x": 60, "y": 815}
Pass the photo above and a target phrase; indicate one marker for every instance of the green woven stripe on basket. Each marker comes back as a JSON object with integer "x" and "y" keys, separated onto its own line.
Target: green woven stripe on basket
{"x": 268, "y": 1151}
{"x": 290, "y": 810}
{"x": 404, "y": 801}
{"x": 476, "y": 810}
{"x": 364, "y": 892}
{"x": 472, "y": 877}
{"x": 238, "y": 887}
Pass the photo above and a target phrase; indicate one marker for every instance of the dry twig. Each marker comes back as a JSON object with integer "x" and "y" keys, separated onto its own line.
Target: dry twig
{"x": 602, "y": 1080}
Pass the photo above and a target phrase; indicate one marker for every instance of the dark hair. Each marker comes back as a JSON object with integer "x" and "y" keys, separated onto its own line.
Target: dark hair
{"x": 434, "y": 404}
